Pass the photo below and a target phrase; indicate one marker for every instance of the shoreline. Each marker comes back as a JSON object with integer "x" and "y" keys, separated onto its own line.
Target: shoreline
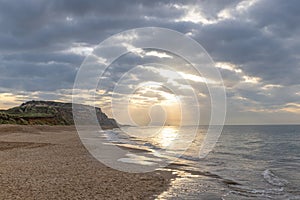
{"x": 49, "y": 162}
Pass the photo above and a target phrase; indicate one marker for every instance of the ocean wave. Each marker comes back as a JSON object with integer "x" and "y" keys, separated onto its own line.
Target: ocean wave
{"x": 246, "y": 191}
{"x": 272, "y": 179}
{"x": 276, "y": 192}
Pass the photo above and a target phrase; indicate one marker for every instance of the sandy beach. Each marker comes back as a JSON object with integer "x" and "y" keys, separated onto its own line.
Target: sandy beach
{"x": 49, "y": 162}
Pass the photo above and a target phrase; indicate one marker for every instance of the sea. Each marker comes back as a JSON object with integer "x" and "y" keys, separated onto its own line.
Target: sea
{"x": 247, "y": 162}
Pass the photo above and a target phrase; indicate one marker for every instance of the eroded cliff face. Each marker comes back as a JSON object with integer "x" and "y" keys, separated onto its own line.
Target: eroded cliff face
{"x": 53, "y": 113}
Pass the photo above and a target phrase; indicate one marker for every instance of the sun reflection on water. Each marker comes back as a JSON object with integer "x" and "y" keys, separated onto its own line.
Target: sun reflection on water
{"x": 167, "y": 135}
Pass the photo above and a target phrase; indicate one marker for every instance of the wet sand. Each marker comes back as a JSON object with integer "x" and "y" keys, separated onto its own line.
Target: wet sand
{"x": 49, "y": 162}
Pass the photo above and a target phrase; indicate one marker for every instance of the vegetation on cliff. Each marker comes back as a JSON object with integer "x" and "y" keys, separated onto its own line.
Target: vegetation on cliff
{"x": 51, "y": 113}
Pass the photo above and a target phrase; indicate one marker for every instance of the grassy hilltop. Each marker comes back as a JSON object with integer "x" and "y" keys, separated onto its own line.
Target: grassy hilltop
{"x": 51, "y": 113}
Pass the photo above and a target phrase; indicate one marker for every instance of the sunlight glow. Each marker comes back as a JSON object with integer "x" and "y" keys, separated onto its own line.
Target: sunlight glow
{"x": 158, "y": 54}
{"x": 193, "y": 14}
{"x": 166, "y": 136}
{"x": 82, "y": 49}
{"x": 245, "y": 5}
{"x": 225, "y": 14}
{"x": 149, "y": 96}
{"x": 270, "y": 86}
{"x": 8, "y": 100}
{"x": 194, "y": 78}
{"x": 292, "y": 107}
{"x": 251, "y": 79}
{"x": 228, "y": 66}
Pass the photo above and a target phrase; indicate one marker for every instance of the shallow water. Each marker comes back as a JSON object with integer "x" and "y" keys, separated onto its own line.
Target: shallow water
{"x": 248, "y": 162}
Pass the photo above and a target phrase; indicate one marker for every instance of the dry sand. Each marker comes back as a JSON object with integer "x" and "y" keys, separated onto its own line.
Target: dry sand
{"x": 43, "y": 162}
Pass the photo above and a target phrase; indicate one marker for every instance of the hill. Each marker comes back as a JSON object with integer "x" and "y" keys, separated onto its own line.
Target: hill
{"x": 52, "y": 113}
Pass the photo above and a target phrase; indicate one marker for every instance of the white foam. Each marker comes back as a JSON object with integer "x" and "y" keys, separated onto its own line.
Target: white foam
{"x": 272, "y": 179}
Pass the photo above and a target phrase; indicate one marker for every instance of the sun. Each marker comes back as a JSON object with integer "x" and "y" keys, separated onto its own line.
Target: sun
{"x": 153, "y": 104}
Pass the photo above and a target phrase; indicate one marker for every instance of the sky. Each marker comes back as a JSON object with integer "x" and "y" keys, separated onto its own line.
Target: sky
{"x": 255, "y": 45}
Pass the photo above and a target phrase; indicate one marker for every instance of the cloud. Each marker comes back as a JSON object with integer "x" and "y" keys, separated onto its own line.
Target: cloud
{"x": 255, "y": 44}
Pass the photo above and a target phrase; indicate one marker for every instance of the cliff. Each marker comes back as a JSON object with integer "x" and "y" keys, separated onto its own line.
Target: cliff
{"x": 52, "y": 113}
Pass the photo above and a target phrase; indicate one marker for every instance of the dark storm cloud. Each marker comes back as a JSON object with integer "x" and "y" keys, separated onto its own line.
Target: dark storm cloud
{"x": 36, "y": 24}
{"x": 44, "y": 57}
{"x": 261, "y": 40}
{"x": 35, "y": 32}
{"x": 37, "y": 77}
